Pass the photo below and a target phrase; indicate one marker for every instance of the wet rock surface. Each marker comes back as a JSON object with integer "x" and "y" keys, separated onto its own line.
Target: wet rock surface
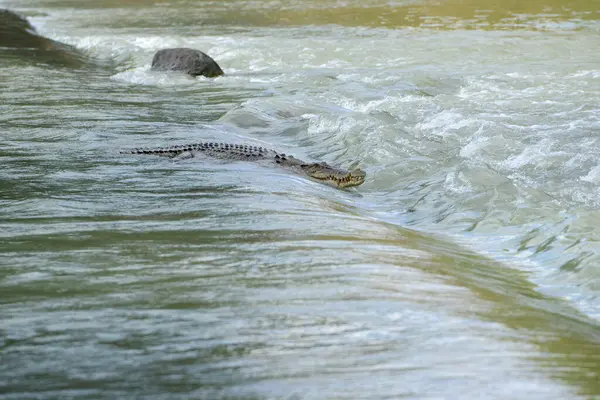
{"x": 189, "y": 61}
{"x": 19, "y": 39}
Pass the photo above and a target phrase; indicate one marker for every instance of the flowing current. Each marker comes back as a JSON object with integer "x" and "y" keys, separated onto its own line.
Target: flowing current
{"x": 467, "y": 265}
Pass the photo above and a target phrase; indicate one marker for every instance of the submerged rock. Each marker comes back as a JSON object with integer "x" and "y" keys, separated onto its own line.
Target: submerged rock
{"x": 19, "y": 39}
{"x": 190, "y": 61}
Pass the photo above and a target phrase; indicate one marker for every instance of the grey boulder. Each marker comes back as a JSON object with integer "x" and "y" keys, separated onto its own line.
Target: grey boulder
{"x": 190, "y": 61}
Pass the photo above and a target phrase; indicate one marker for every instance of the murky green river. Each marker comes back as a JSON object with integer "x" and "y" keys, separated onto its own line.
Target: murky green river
{"x": 467, "y": 266}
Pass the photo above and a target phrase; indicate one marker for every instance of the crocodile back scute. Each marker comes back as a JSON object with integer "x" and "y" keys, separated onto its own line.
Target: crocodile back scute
{"x": 214, "y": 149}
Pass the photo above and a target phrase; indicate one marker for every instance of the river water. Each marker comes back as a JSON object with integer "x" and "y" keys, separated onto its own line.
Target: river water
{"x": 466, "y": 266}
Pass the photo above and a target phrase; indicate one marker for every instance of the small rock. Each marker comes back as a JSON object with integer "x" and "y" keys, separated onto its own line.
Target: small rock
{"x": 190, "y": 61}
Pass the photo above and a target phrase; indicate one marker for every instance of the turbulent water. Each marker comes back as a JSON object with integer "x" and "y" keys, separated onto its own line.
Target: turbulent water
{"x": 466, "y": 266}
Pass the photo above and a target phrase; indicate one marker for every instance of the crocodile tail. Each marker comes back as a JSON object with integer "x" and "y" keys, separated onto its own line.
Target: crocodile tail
{"x": 161, "y": 151}
{"x": 215, "y": 149}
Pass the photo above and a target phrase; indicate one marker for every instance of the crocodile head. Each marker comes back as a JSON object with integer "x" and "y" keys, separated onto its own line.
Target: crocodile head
{"x": 341, "y": 178}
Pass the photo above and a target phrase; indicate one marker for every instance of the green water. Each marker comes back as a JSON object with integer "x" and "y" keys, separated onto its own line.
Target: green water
{"x": 464, "y": 267}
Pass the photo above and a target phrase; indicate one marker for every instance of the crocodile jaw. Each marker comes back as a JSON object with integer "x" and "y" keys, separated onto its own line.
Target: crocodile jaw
{"x": 340, "y": 178}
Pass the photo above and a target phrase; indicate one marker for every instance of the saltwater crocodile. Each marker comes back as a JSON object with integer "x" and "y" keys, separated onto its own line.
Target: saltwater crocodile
{"x": 321, "y": 172}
